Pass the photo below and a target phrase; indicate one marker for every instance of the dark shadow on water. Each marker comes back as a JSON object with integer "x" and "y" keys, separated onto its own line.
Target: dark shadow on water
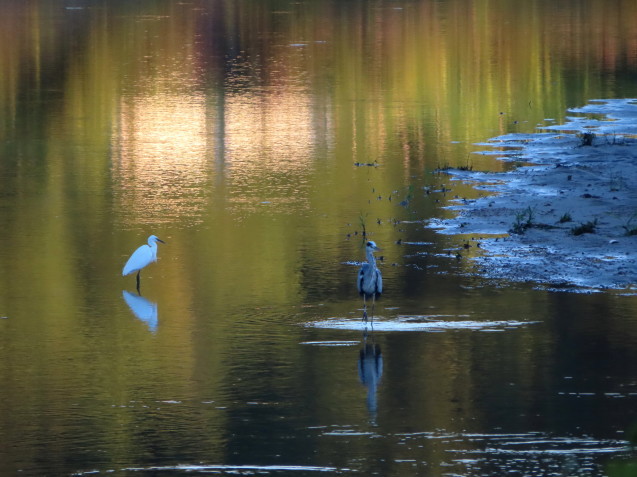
{"x": 145, "y": 310}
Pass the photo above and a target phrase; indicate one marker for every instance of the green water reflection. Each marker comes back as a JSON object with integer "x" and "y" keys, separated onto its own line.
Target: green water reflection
{"x": 232, "y": 129}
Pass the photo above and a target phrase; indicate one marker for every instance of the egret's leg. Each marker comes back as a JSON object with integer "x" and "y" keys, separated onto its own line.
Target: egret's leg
{"x": 138, "y": 292}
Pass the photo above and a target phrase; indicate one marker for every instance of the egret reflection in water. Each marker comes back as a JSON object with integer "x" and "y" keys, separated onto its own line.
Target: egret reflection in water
{"x": 143, "y": 309}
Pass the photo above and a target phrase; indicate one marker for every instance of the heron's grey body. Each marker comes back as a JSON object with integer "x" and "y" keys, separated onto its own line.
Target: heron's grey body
{"x": 370, "y": 280}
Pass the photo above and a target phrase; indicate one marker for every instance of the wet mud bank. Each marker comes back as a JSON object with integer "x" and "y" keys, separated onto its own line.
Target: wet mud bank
{"x": 567, "y": 218}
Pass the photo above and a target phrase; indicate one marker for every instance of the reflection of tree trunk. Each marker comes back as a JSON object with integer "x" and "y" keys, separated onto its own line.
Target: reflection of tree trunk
{"x": 216, "y": 40}
{"x": 217, "y": 120}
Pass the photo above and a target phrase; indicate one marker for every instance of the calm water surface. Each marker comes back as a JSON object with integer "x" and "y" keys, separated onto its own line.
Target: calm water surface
{"x": 259, "y": 140}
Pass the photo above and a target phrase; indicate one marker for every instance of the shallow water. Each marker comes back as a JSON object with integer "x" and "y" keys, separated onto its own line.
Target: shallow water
{"x": 260, "y": 141}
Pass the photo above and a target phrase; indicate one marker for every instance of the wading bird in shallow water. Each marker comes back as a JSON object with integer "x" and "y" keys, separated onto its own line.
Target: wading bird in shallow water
{"x": 141, "y": 257}
{"x": 370, "y": 281}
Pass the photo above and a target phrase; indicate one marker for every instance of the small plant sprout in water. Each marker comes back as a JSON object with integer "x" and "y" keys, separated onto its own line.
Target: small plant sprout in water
{"x": 361, "y": 220}
{"x": 615, "y": 140}
{"x": 629, "y": 226}
{"x": 586, "y": 138}
{"x": 447, "y": 167}
{"x": 586, "y": 228}
{"x": 566, "y": 217}
{"x": 523, "y": 220}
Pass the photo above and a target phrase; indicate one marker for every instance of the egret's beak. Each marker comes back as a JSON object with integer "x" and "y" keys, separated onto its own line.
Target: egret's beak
{"x": 160, "y": 240}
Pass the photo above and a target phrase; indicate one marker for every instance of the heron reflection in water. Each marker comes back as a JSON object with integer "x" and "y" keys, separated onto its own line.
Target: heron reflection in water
{"x": 370, "y": 370}
{"x": 370, "y": 280}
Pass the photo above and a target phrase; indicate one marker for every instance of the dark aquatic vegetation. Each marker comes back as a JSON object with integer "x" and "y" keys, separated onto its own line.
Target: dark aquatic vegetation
{"x": 523, "y": 221}
{"x": 585, "y": 228}
{"x": 630, "y": 227}
{"x": 586, "y": 138}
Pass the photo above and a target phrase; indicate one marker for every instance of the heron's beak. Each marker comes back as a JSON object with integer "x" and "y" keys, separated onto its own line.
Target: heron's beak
{"x": 160, "y": 240}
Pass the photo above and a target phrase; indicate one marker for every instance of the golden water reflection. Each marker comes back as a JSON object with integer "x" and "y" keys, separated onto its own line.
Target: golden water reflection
{"x": 160, "y": 160}
{"x": 166, "y": 153}
{"x": 270, "y": 146}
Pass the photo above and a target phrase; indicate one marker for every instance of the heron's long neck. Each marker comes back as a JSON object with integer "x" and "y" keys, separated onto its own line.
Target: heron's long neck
{"x": 370, "y": 258}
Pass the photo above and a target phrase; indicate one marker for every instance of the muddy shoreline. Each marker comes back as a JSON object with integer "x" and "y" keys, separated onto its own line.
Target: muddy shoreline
{"x": 568, "y": 217}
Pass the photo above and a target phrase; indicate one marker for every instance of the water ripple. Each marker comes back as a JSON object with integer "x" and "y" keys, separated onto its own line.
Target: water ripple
{"x": 426, "y": 323}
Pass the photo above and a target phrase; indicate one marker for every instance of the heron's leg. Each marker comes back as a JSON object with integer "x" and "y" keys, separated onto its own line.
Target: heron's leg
{"x": 373, "y": 305}
{"x": 138, "y": 292}
{"x": 364, "y": 307}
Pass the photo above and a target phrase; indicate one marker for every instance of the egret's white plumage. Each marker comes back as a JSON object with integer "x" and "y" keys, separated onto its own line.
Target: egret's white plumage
{"x": 370, "y": 280}
{"x": 141, "y": 257}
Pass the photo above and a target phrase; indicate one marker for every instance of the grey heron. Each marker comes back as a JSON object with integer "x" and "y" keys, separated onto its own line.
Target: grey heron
{"x": 370, "y": 280}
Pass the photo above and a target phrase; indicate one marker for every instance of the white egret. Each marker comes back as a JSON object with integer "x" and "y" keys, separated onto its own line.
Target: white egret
{"x": 370, "y": 280}
{"x": 141, "y": 257}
